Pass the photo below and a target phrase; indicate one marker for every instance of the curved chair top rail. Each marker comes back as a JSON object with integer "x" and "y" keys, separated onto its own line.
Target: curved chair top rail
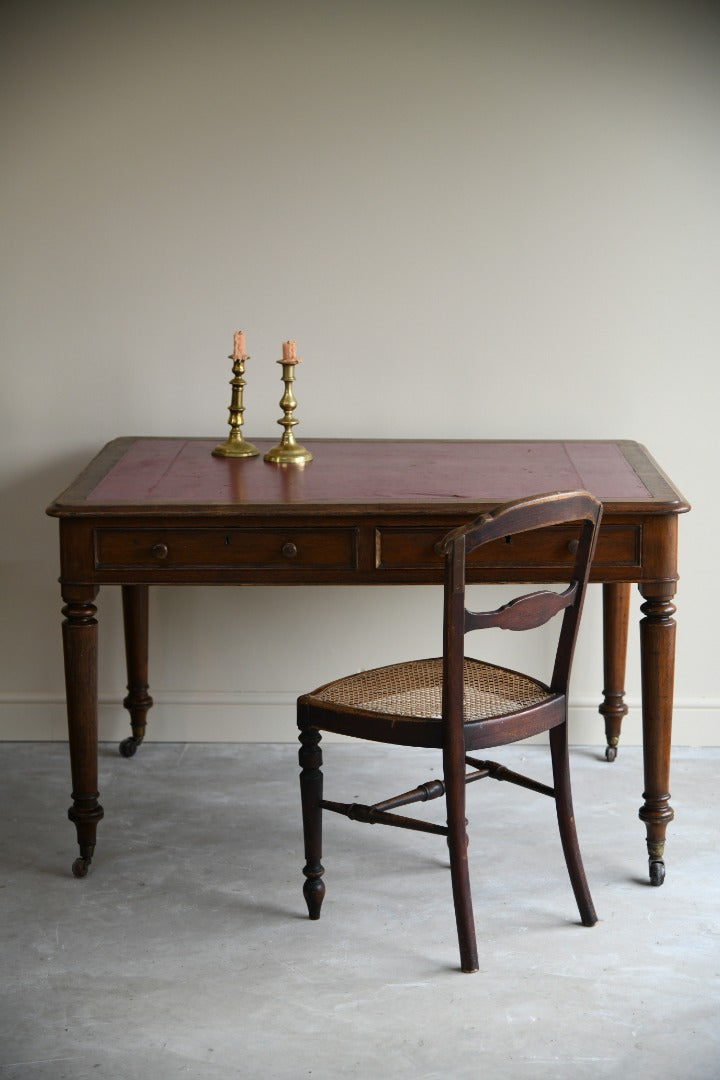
{"x": 523, "y": 515}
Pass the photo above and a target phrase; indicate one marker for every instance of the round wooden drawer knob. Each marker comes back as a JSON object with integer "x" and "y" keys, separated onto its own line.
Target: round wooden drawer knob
{"x": 573, "y": 545}
{"x": 289, "y": 550}
{"x": 160, "y": 551}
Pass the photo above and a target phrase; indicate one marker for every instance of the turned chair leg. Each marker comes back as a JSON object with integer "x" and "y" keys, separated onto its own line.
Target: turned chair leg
{"x": 311, "y": 791}
{"x": 566, "y": 823}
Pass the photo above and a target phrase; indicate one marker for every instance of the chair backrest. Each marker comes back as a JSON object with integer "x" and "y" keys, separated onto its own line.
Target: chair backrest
{"x": 529, "y": 610}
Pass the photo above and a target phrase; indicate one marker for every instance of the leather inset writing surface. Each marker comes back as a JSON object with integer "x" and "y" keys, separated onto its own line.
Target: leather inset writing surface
{"x": 451, "y": 472}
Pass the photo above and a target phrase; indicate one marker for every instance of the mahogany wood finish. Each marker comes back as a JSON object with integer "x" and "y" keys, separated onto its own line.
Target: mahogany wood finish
{"x": 616, "y": 612}
{"x": 138, "y": 700}
{"x": 311, "y": 788}
{"x": 458, "y": 733}
{"x": 80, "y": 652}
{"x": 657, "y": 639}
{"x": 155, "y": 511}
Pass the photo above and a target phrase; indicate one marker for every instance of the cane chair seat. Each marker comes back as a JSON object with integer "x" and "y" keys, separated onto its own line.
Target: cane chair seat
{"x": 412, "y": 691}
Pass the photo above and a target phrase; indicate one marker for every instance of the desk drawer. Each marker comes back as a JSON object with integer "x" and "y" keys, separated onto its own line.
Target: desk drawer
{"x": 398, "y": 547}
{"x": 259, "y": 549}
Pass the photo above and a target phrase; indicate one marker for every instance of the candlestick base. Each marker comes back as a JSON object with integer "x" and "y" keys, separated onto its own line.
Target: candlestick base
{"x": 235, "y": 447}
{"x": 288, "y": 452}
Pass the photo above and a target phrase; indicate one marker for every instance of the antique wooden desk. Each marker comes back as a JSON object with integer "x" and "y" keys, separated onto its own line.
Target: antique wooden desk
{"x": 154, "y": 511}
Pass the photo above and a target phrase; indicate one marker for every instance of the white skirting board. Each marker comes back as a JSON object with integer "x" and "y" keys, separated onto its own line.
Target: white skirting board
{"x": 270, "y": 717}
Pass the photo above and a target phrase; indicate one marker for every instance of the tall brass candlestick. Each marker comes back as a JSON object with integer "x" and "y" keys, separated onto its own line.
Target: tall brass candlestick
{"x": 236, "y": 445}
{"x": 288, "y": 451}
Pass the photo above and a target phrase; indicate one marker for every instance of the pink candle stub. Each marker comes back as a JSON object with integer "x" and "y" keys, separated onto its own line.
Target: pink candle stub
{"x": 289, "y": 355}
{"x": 239, "y": 345}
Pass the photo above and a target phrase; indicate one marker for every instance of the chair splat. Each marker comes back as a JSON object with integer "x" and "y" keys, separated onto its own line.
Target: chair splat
{"x": 524, "y": 612}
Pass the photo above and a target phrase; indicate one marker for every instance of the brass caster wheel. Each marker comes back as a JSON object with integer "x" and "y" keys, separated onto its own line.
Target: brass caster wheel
{"x": 128, "y": 746}
{"x": 80, "y": 867}
{"x": 657, "y": 872}
{"x": 610, "y": 753}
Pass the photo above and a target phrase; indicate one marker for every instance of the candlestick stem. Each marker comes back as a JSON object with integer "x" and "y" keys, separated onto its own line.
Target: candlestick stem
{"x": 236, "y": 445}
{"x": 288, "y": 451}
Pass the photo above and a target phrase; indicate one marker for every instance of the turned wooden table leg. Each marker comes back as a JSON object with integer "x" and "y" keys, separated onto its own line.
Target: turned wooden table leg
{"x": 138, "y": 700}
{"x": 657, "y": 661}
{"x": 616, "y": 612}
{"x": 311, "y": 792}
{"x": 80, "y": 652}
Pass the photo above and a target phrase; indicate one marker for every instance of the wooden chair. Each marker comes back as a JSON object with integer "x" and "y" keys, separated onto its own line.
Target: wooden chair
{"x": 459, "y": 704}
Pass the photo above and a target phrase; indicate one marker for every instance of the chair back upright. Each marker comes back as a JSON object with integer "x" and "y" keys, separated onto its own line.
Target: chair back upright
{"x": 524, "y": 612}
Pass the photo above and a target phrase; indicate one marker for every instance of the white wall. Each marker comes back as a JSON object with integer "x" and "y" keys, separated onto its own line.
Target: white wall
{"x": 476, "y": 219}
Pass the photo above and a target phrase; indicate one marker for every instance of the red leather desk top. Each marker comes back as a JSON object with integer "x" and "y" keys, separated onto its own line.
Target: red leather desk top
{"x": 183, "y": 471}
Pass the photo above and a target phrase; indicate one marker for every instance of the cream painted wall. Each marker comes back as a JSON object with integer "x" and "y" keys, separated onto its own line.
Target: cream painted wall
{"x": 476, "y": 219}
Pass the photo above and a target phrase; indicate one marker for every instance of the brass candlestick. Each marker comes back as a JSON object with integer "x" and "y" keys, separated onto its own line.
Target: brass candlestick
{"x": 235, "y": 445}
{"x": 288, "y": 451}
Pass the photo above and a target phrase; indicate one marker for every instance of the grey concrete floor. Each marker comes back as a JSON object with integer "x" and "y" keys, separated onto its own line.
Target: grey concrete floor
{"x": 186, "y": 952}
